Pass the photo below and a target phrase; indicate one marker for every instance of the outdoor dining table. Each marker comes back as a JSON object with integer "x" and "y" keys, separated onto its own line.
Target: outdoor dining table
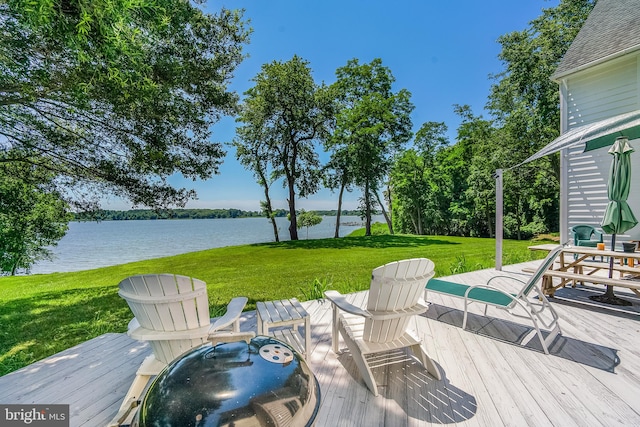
{"x": 577, "y": 267}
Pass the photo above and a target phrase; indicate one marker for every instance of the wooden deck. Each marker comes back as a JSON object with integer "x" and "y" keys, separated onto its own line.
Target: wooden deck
{"x": 591, "y": 378}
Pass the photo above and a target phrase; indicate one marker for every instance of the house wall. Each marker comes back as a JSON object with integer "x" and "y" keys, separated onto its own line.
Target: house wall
{"x": 595, "y": 94}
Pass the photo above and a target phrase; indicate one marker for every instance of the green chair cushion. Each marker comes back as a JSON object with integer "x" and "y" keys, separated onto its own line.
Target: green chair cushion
{"x": 483, "y": 295}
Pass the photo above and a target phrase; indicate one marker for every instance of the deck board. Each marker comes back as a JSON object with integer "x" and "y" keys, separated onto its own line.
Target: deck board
{"x": 592, "y": 376}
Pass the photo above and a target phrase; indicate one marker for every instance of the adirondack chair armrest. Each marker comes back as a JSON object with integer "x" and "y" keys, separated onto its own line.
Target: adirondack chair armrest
{"x": 387, "y": 315}
{"x": 338, "y": 300}
{"x": 144, "y": 334}
{"x": 234, "y": 311}
{"x": 133, "y": 325}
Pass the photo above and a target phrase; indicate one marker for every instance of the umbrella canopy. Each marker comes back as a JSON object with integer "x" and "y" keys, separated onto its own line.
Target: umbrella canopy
{"x": 618, "y": 216}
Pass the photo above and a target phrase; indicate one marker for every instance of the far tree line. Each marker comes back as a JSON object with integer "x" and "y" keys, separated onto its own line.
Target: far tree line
{"x": 101, "y": 101}
{"x": 150, "y": 214}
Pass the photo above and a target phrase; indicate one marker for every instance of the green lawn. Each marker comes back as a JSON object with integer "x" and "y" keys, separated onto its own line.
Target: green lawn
{"x": 43, "y": 314}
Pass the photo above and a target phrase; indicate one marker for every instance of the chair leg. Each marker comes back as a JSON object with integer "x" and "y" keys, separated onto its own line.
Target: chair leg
{"x": 540, "y": 337}
{"x": 334, "y": 329}
{"x": 554, "y": 326}
{"x": 361, "y": 362}
{"x": 130, "y": 400}
{"x": 426, "y": 361}
{"x": 466, "y": 311}
{"x": 467, "y": 303}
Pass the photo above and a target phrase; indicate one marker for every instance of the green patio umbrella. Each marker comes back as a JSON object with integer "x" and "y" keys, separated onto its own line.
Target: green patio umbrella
{"x": 618, "y": 216}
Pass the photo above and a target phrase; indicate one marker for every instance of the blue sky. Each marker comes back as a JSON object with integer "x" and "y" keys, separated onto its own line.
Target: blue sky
{"x": 443, "y": 52}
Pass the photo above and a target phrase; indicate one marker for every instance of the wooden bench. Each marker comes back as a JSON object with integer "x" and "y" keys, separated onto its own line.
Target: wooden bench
{"x": 634, "y": 285}
{"x": 578, "y": 275}
{"x": 595, "y": 266}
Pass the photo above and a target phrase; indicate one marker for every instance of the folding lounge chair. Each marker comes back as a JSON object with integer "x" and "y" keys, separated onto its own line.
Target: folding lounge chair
{"x": 395, "y": 296}
{"x": 172, "y": 314}
{"x": 512, "y": 303}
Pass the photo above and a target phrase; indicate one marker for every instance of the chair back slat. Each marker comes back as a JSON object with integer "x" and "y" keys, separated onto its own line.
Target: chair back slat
{"x": 171, "y": 313}
{"x": 394, "y": 287}
{"x": 166, "y": 302}
{"x": 148, "y": 315}
{"x": 194, "y": 311}
{"x": 537, "y": 275}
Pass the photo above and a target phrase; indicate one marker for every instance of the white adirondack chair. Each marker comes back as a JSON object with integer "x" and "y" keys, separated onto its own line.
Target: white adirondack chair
{"x": 172, "y": 314}
{"x": 395, "y": 296}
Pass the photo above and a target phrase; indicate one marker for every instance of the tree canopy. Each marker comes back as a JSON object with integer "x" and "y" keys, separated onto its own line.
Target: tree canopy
{"x": 308, "y": 219}
{"x": 115, "y": 96}
{"x": 289, "y": 115}
{"x": 32, "y": 216}
{"x": 442, "y": 188}
{"x": 526, "y": 104}
{"x": 372, "y": 124}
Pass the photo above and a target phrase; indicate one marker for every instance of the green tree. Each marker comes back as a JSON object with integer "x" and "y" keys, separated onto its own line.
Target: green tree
{"x": 372, "y": 124}
{"x": 114, "y": 96}
{"x": 525, "y": 103}
{"x": 476, "y": 138}
{"x": 409, "y": 187}
{"x": 308, "y": 219}
{"x": 292, "y": 114}
{"x": 336, "y": 175}
{"x": 32, "y": 216}
{"x": 412, "y": 180}
{"x": 255, "y": 156}
{"x": 481, "y": 183}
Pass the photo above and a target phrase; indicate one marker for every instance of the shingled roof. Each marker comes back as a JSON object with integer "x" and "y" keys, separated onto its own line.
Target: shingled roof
{"x": 612, "y": 29}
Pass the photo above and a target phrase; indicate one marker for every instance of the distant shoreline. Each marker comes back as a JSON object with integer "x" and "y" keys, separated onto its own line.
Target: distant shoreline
{"x": 147, "y": 214}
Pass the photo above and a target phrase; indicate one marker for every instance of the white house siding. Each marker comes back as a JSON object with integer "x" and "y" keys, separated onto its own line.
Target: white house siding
{"x": 595, "y": 94}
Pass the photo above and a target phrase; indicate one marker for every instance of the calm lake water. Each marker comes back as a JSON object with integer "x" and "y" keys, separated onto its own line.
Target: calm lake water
{"x": 90, "y": 245}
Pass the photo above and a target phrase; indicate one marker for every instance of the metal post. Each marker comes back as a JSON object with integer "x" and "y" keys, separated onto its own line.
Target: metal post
{"x": 499, "y": 215}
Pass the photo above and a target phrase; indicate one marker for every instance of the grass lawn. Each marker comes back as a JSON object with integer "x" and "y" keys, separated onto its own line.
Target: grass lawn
{"x": 43, "y": 314}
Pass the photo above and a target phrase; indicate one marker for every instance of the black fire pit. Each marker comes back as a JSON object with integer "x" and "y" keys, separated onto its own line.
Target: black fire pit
{"x": 264, "y": 383}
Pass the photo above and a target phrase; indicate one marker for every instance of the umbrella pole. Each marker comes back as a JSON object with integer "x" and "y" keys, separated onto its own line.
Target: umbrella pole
{"x": 608, "y": 297}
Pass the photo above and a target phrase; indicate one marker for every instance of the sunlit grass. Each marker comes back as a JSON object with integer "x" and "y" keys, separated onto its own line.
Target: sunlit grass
{"x": 44, "y": 314}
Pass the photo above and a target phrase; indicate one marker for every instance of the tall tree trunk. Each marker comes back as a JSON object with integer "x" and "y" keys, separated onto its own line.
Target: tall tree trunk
{"x": 415, "y": 224}
{"x": 270, "y": 215}
{"x": 384, "y": 212}
{"x": 267, "y": 204}
{"x": 489, "y": 224}
{"x": 367, "y": 209}
{"x": 388, "y": 199}
{"x": 293, "y": 225}
{"x": 291, "y": 172}
{"x": 337, "y": 233}
{"x": 275, "y": 228}
{"x": 518, "y": 221}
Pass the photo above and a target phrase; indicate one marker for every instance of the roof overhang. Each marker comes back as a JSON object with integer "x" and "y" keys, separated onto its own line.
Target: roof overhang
{"x": 595, "y": 135}
{"x": 557, "y": 77}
